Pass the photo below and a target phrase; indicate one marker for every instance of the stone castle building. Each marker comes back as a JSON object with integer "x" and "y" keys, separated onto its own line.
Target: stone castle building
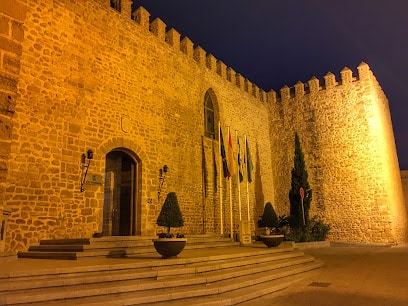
{"x": 90, "y": 87}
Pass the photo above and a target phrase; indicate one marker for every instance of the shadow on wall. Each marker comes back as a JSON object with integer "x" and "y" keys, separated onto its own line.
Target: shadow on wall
{"x": 259, "y": 194}
{"x": 404, "y": 180}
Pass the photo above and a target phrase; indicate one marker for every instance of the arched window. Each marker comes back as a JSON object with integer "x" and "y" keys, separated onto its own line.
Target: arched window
{"x": 209, "y": 116}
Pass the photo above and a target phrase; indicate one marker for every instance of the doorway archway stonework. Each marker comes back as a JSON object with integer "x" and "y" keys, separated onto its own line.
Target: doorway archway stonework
{"x": 123, "y": 210}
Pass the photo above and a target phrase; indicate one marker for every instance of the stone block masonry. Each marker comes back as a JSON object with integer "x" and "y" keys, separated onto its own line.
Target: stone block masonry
{"x": 12, "y": 16}
{"x": 85, "y": 75}
{"x": 346, "y": 132}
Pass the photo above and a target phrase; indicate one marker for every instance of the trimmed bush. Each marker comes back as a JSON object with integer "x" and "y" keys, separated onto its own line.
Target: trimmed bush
{"x": 269, "y": 218}
{"x": 170, "y": 214}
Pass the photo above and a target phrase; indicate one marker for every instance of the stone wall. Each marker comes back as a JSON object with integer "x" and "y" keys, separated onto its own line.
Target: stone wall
{"x": 347, "y": 137}
{"x": 11, "y": 36}
{"x": 94, "y": 77}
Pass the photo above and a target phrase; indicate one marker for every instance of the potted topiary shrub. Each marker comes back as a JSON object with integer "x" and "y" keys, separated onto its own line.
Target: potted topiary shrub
{"x": 270, "y": 221}
{"x": 170, "y": 245}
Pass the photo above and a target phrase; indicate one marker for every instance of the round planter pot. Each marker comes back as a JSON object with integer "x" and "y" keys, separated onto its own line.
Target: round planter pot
{"x": 169, "y": 247}
{"x": 271, "y": 240}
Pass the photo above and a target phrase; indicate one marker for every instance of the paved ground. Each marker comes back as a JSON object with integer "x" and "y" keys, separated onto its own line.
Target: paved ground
{"x": 352, "y": 276}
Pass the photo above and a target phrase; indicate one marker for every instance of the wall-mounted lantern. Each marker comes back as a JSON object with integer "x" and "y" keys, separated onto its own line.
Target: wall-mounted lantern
{"x": 85, "y": 166}
{"x": 162, "y": 175}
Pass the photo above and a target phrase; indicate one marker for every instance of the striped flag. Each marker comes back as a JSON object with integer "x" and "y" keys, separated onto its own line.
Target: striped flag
{"x": 231, "y": 156}
{"x": 240, "y": 168}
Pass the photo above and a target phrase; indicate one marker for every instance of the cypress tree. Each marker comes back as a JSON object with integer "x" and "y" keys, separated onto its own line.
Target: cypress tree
{"x": 299, "y": 179}
{"x": 170, "y": 214}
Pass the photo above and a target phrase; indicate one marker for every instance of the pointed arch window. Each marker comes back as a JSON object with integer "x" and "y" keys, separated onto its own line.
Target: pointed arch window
{"x": 209, "y": 116}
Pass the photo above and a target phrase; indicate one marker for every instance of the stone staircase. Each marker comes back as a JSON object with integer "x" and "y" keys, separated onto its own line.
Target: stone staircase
{"x": 223, "y": 275}
{"x": 114, "y": 246}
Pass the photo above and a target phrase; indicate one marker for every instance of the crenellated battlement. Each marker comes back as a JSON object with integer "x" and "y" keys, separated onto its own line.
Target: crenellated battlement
{"x": 313, "y": 86}
{"x": 185, "y": 45}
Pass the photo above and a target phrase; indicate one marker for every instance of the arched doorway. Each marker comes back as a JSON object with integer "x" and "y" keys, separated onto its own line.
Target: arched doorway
{"x": 121, "y": 212}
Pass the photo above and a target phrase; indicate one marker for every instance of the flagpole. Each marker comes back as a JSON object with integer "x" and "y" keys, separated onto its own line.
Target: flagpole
{"x": 220, "y": 166}
{"x": 247, "y": 183}
{"x": 230, "y": 195}
{"x": 238, "y": 178}
{"x": 203, "y": 170}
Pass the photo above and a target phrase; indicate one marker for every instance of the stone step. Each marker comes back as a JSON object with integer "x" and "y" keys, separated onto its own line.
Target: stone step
{"x": 113, "y": 246}
{"x": 129, "y": 239}
{"x": 142, "y": 291}
{"x": 71, "y": 255}
{"x": 135, "y": 245}
{"x": 116, "y": 273}
{"x": 239, "y": 295}
{"x": 188, "y": 257}
{"x": 214, "y": 275}
{"x": 48, "y": 255}
{"x": 78, "y": 241}
{"x": 77, "y": 252}
{"x": 229, "y": 291}
{"x": 192, "y": 257}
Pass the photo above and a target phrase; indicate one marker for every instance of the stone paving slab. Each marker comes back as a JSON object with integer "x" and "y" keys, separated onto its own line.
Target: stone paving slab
{"x": 352, "y": 276}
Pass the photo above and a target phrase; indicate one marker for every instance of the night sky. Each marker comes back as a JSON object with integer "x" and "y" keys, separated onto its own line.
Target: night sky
{"x": 276, "y": 43}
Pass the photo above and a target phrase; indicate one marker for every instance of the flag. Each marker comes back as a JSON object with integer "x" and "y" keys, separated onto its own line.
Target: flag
{"x": 231, "y": 157}
{"x": 250, "y": 166}
{"x": 215, "y": 167}
{"x": 240, "y": 169}
{"x": 223, "y": 156}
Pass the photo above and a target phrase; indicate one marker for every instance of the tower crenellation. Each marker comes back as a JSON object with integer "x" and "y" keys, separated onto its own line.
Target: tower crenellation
{"x": 158, "y": 27}
{"x": 211, "y": 62}
{"x": 142, "y": 17}
{"x": 239, "y": 80}
{"x": 126, "y": 8}
{"x": 200, "y": 56}
{"x": 247, "y": 85}
{"x": 330, "y": 80}
{"x": 186, "y": 46}
{"x": 364, "y": 72}
{"x": 272, "y": 96}
{"x": 173, "y": 38}
{"x": 222, "y": 70}
{"x": 262, "y": 95}
{"x": 255, "y": 90}
{"x": 346, "y": 75}
{"x": 231, "y": 75}
{"x": 299, "y": 89}
{"x": 314, "y": 85}
{"x": 285, "y": 93}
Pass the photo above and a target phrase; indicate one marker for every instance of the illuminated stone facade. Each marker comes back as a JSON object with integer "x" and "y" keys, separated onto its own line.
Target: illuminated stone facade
{"x": 82, "y": 75}
{"x": 404, "y": 178}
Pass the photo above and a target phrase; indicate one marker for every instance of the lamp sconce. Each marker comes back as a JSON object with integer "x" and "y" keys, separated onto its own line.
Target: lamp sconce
{"x": 162, "y": 175}
{"x": 85, "y": 166}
